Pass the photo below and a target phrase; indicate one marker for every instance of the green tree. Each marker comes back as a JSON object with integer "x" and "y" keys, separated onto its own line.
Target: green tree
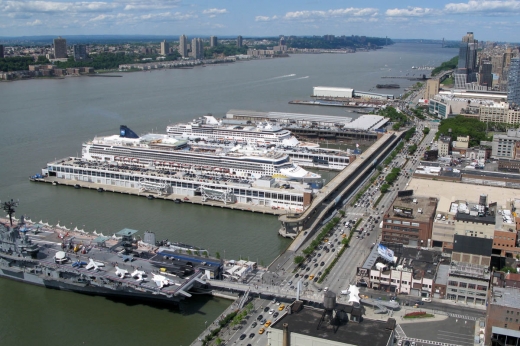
{"x": 217, "y": 255}
{"x": 426, "y": 130}
{"x": 446, "y": 66}
{"x": 299, "y": 259}
{"x": 462, "y": 126}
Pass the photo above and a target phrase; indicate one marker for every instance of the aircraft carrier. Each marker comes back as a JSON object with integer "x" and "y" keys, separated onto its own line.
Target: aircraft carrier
{"x": 115, "y": 266}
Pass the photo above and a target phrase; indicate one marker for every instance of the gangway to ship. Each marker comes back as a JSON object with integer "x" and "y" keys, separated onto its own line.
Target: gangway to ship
{"x": 158, "y": 187}
{"x": 225, "y": 196}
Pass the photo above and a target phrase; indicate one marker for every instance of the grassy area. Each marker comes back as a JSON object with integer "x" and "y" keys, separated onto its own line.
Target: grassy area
{"x": 448, "y": 81}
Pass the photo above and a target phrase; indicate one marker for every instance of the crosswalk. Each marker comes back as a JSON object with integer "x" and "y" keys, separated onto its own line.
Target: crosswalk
{"x": 463, "y": 317}
{"x": 429, "y": 342}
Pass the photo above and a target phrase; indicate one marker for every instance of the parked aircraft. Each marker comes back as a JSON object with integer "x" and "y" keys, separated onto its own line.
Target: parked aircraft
{"x": 139, "y": 274}
{"x": 93, "y": 264}
{"x": 121, "y": 272}
{"x": 160, "y": 280}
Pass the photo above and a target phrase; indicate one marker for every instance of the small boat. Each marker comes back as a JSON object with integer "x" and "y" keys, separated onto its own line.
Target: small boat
{"x": 177, "y": 200}
{"x": 77, "y": 186}
{"x": 150, "y": 197}
{"x": 100, "y": 189}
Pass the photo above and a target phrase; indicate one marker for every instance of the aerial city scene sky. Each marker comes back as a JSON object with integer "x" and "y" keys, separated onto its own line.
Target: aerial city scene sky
{"x": 492, "y": 19}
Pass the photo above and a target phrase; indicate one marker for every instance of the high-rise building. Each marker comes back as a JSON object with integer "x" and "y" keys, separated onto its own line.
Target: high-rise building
{"x": 513, "y": 81}
{"x": 213, "y": 42}
{"x": 165, "y": 48}
{"x": 80, "y": 52}
{"x": 197, "y": 48}
{"x": 239, "y": 41}
{"x": 183, "y": 46}
{"x": 486, "y": 75}
{"x": 1, "y": 51}
{"x": 467, "y": 65}
{"x": 282, "y": 41}
{"x": 60, "y": 48}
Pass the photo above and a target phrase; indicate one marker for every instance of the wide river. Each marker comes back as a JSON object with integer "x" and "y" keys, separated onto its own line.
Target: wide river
{"x": 46, "y": 119}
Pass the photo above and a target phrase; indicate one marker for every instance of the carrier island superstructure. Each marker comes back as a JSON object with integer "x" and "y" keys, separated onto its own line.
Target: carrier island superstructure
{"x": 249, "y": 172}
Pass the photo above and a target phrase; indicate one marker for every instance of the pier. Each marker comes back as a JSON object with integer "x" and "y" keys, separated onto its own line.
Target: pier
{"x": 171, "y": 197}
{"x": 336, "y": 192}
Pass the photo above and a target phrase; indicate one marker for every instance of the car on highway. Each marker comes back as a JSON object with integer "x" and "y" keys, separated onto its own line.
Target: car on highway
{"x": 260, "y": 317}
{"x": 254, "y": 325}
{"x": 261, "y": 331}
{"x": 267, "y": 323}
{"x": 266, "y": 309}
{"x": 271, "y": 311}
{"x": 252, "y": 335}
{"x": 322, "y": 264}
{"x": 242, "y": 337}
{"x": 275, "y": 315}
{"x": 426, "y": 300}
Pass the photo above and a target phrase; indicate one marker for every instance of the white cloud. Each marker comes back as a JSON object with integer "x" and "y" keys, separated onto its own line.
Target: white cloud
{"x": 55, "y": 7}
{"x": 264, "y": 18}
{"x": 148, "y": 5}
{"x": 34, "y": 23}
{"x": 486, "y": 6}
{"x": 213, "y": 12}
{"x": 410, "y": 12}
{"x": 342, "y": 12}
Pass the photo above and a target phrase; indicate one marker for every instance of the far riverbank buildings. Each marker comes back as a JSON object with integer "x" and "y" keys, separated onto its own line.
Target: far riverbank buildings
{"x": 60, "y": 48}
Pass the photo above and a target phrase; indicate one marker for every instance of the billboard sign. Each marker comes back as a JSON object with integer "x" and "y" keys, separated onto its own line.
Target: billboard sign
{"x": 386, "y": 253}
{"x": 403, "y": 210}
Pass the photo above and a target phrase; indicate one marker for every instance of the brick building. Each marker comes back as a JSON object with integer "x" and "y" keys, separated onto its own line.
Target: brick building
{"x": 409, "y": 220}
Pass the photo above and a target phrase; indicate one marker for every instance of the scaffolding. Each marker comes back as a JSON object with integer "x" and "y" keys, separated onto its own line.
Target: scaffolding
{"x": 225, "y": 196}
{"x": 151, "y": 186}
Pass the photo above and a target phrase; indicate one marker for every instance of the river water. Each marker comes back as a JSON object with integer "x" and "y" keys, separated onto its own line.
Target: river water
{"x": 46, "y": 119}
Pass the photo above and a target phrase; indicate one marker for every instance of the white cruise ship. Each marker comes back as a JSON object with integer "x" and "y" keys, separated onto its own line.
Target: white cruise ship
{"x": 210, "y": 129}
{"x": 163, "y": 151}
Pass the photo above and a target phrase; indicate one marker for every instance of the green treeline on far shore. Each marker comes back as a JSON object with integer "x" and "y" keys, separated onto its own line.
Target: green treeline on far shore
{"x": 20, "y": 63}
{"x": 446, "y": 66}
{"x": 336, "y": 42}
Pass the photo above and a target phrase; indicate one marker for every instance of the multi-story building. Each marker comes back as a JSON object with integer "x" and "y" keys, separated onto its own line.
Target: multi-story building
{"x": 60, "y": 48}
{"x": 494, "y": 112}
{"x": 213, "y": 41}
{"x": 503, "y": 146}
{"x": 412, "y": 273}
{"x": 239, "y": 41}
{"x": 439, "y": 108}
{"x": 466, "y": 68}
{"x": 432, "y": 88}
{"x": 336, "y": 325}
{"x": 165, "y": 48}
{"x": 486, "y": 76}
{"x": 183, "y": 46}
{"x": 513, "y": 82}
{"x": 197, "y": 48}
{"x": 80, "y": 52}
{"x": 409, "y": 220}
{"x": 503, "y": 316}
{"x": 444, "y": 144}
{"x": 468, "y": 277}
{"x": 1, "y": 51}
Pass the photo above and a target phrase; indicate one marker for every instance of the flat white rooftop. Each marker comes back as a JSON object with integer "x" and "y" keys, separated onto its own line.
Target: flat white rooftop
{"x": 287, "y": 117}
{"x": 367, "y": 122}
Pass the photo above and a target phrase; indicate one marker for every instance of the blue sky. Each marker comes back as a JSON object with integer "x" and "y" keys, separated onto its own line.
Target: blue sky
{"x": 493, "y": 20}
